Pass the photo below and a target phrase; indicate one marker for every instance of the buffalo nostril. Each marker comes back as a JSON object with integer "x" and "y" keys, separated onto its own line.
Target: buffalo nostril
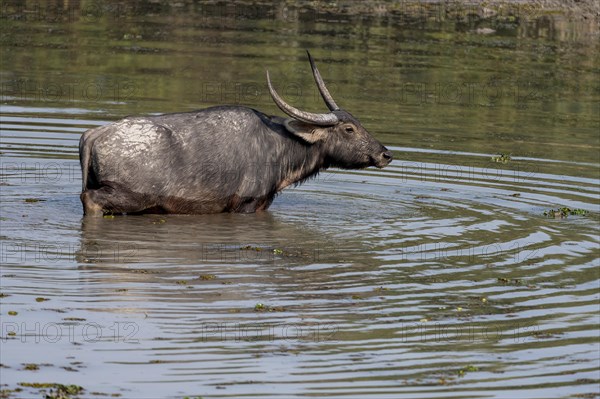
{"x": 387, "y": 155}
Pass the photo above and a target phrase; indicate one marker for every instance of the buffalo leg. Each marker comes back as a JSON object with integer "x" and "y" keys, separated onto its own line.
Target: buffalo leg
{"x": 113, "y": 198}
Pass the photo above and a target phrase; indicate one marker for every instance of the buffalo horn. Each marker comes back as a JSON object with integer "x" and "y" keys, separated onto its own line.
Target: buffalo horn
{"x": 317, "y": 119}
{"x": 321, "y": 86}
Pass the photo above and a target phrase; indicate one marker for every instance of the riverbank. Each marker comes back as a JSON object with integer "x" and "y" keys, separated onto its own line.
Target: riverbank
{"x": 529, "y": 9}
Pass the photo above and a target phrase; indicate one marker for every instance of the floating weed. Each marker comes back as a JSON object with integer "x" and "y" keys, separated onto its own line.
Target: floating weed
{"x": 251, "y": 248}
{"x": 64, "y": 391}
{"x": 33, "y": 200}
{"x": 545, "y": 335}
{"x": 31, "y": 366}
{"x": 40, "y": 299}
{"x": 514, "y": 281}
{"x": 206, "y": 277}
{"x": 501, "y": 158}
{"x": 467, "y": 369}
{"x": 38, "y": 385}
{"x": 108, "y": 216}
{"x": 57, "y": 391}
{"x": 261, "y": 307}
{"x": 12, "y": 313}
{"x": 181, "y": 282}
{"x": 563, "y": 212}
{"x": 140, "y": 271}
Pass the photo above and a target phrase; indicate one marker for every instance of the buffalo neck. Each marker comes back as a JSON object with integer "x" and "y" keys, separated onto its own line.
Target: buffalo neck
{"x": 299, "y": 162}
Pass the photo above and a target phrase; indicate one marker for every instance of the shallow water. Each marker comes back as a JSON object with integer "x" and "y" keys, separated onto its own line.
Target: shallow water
{"x": 438, "y": 276}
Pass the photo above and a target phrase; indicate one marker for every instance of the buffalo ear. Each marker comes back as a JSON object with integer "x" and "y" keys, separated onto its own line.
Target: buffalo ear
{"x": 307, "y": 132}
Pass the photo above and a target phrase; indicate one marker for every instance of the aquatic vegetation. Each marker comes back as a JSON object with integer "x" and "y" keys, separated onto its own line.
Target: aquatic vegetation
{"x": 56, "y": 391}
{"x": 508, "y": 281}
{"x": 467, "y": 369}
{"x": 261, "y": 307}
{"x": 38, "y": 385}
{"x": 563, "y": 212}
{"x": 251, "y": 248}
{"x": 64, "y": 391}
{"x": 501, "y": 158}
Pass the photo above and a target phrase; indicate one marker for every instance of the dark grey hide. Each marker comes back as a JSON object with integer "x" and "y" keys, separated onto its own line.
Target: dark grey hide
{"x": 220, "y": 159}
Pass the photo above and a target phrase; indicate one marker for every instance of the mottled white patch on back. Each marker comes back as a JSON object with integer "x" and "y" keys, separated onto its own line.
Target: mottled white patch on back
{"x": 137, "y": 136}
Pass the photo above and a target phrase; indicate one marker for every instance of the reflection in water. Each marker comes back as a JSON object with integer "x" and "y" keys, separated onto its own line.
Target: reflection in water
{"x": 185, "y": 240}
{"x": 437, "y": 276}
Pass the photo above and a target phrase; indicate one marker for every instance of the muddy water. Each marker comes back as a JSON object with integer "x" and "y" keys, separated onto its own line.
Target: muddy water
{"x": 438, "y": 276}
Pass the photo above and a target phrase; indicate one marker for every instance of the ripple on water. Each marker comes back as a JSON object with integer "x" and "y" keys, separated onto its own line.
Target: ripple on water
{"x": 429, "y": 279}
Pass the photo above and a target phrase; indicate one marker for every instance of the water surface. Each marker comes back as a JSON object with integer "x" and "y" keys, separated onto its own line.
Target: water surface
{"x": 438, "y": 276}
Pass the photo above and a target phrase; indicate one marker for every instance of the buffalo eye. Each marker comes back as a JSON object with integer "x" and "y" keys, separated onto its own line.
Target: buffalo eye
{"x": 349, "y": 129}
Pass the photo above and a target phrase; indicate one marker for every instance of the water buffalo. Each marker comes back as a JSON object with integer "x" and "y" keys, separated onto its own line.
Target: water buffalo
{"x": 219, "y": 159}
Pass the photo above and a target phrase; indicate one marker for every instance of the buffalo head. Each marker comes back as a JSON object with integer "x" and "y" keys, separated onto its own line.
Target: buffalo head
{"x": 346, "y": 143}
